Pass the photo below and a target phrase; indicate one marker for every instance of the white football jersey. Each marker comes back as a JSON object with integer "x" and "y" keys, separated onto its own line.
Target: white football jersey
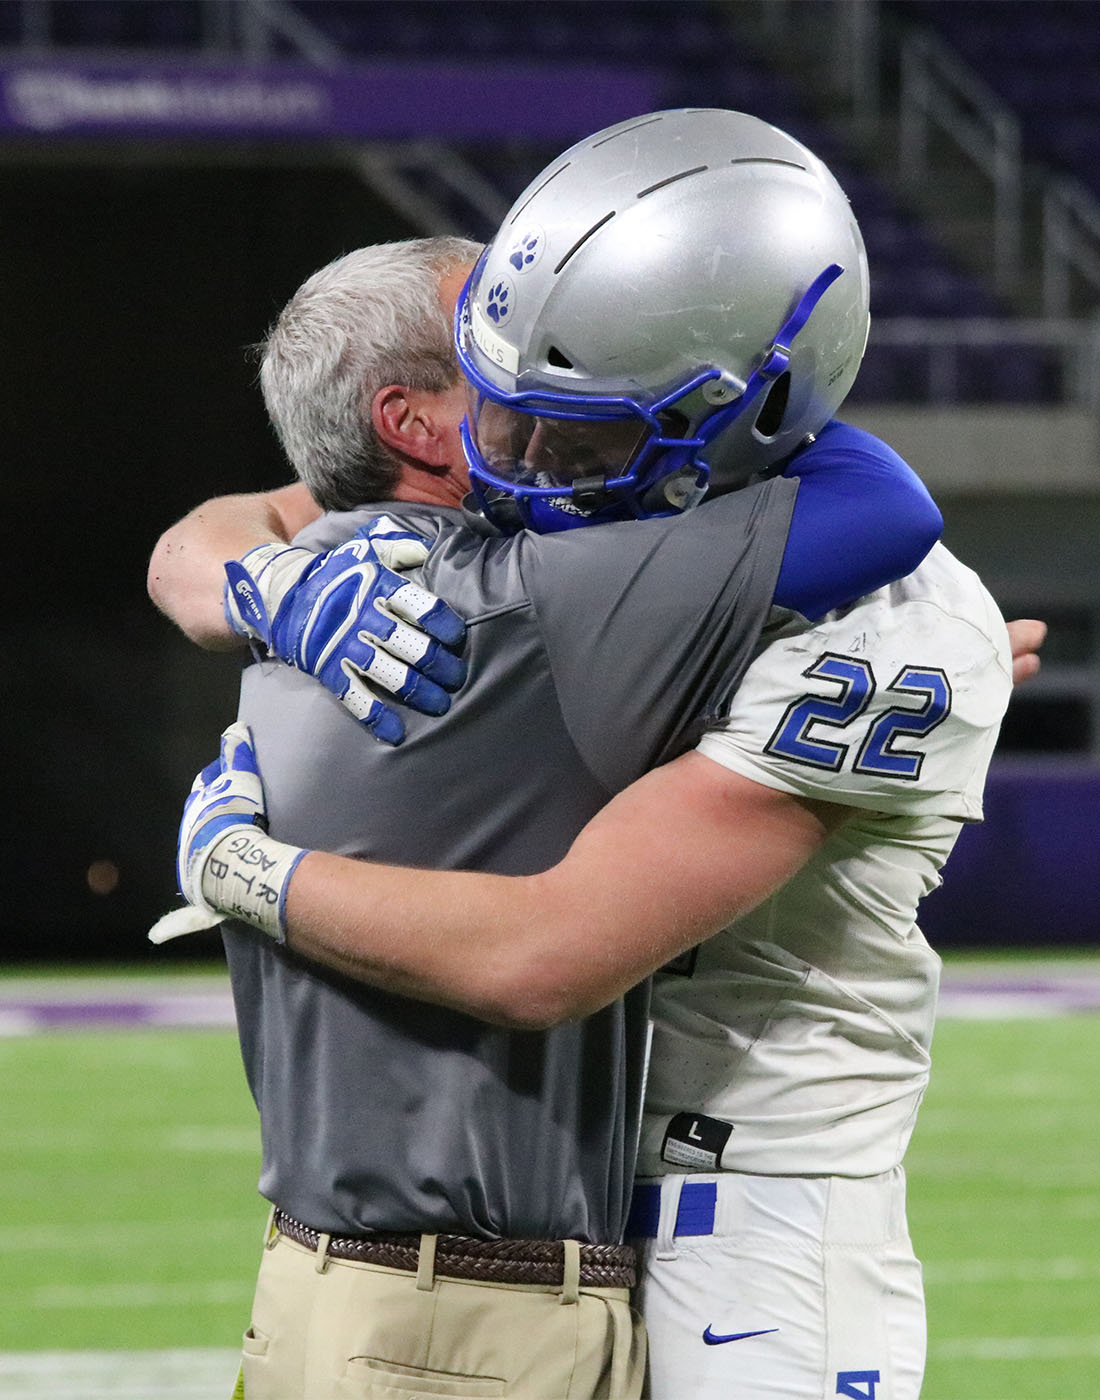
{"x": 797, "y": 1040}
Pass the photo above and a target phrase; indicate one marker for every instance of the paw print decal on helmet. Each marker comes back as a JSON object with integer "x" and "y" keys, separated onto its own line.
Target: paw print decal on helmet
{"x": 499, "y": 301}
{"x": 526, "y": 250}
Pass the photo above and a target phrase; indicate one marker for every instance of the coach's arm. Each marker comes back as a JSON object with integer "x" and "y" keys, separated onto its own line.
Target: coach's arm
{"x": 186, "y": 576}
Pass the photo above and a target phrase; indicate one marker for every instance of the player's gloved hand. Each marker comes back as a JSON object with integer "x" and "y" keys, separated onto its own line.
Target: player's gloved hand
{"x": 348, "y": 618}
{"x": 226, "y": 864}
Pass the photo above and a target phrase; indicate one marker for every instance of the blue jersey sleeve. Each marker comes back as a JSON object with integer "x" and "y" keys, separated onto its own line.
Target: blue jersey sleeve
{"x": 862, "y": 519}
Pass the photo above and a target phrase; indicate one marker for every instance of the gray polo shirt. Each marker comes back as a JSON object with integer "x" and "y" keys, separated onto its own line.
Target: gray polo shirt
{"x": 594, "y": 654}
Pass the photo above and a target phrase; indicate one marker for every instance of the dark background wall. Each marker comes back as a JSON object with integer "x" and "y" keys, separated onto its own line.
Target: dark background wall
{"x": 130, "y": 296}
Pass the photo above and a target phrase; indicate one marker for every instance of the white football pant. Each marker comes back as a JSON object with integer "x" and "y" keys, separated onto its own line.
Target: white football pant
{"x": 780, "y": 1288}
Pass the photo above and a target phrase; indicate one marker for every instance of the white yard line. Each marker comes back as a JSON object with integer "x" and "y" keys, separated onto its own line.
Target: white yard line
{"x": 118, "y": 1375}
{"x": 1063, "y": 1270}
{"x": 118, "y": 1237}
{"x": 1015, "y": 1348}
{"x": 127, "y": 1296}
{"x": 1000, "y": 1005}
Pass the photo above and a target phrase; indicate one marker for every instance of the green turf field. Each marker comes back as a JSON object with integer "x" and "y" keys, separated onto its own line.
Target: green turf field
{"x": 1004, "y": 1209}
{"x": 129, "y": 1217}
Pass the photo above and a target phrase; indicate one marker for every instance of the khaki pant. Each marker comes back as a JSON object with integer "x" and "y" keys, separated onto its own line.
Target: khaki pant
{"x": 330, "y": 1329}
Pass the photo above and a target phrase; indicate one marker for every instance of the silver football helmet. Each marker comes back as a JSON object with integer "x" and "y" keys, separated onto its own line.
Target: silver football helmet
{"x": 672, "y": 306}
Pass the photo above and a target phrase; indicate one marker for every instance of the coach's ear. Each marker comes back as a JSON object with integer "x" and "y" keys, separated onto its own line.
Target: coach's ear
{"x": 416, "y": 423}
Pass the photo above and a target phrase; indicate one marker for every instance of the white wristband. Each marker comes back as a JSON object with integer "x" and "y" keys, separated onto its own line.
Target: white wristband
{"x": 245, "y": 874}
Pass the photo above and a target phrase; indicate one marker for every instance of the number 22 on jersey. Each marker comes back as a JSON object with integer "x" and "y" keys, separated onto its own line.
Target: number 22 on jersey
{"x": 922, "y": 696}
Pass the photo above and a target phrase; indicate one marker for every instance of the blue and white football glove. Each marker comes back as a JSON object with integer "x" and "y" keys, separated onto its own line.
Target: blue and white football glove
{"x": 349, "y": 619}
{"x": 226, "y": 864}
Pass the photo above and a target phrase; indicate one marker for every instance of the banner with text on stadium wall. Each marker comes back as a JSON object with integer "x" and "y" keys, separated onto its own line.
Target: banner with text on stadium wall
{"x": 295, "y": 101}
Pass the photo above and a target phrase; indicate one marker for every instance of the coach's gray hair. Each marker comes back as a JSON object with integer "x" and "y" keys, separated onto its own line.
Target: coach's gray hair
{"x": 371, "y": 318}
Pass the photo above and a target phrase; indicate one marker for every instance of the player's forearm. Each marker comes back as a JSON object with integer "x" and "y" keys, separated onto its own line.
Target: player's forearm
{"x": 482, "y": 944}
{"x": 186, "y": 575}
{"x": 674, "y": 859}
{"x": 682, "y": 852}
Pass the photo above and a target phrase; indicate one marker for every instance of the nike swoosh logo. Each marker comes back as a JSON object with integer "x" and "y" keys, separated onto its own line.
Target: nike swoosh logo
{"x": 712, "y": 1339}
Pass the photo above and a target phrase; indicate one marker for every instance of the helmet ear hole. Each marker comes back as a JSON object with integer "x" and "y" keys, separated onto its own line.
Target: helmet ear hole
{"x": 770, "y": 418}
{"x": 555, "y": 357}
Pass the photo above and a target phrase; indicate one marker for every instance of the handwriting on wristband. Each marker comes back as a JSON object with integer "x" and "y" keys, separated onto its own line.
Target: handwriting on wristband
{"x": 249, "y": 853}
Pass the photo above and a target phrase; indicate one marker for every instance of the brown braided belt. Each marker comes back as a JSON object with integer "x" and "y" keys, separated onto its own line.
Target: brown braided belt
{"x": 486, "y": 1261}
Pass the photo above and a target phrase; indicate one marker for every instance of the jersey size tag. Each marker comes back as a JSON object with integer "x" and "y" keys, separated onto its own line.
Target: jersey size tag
{"x": 693, "y": 1140}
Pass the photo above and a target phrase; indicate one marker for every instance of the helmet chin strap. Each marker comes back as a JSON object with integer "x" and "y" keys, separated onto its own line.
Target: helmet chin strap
{"x": 590, "y": 493}
{"x": 501, "y": 510}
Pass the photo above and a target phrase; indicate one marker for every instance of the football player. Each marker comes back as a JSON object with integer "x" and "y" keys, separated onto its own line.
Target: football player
{"x": 791, "y": 1047}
